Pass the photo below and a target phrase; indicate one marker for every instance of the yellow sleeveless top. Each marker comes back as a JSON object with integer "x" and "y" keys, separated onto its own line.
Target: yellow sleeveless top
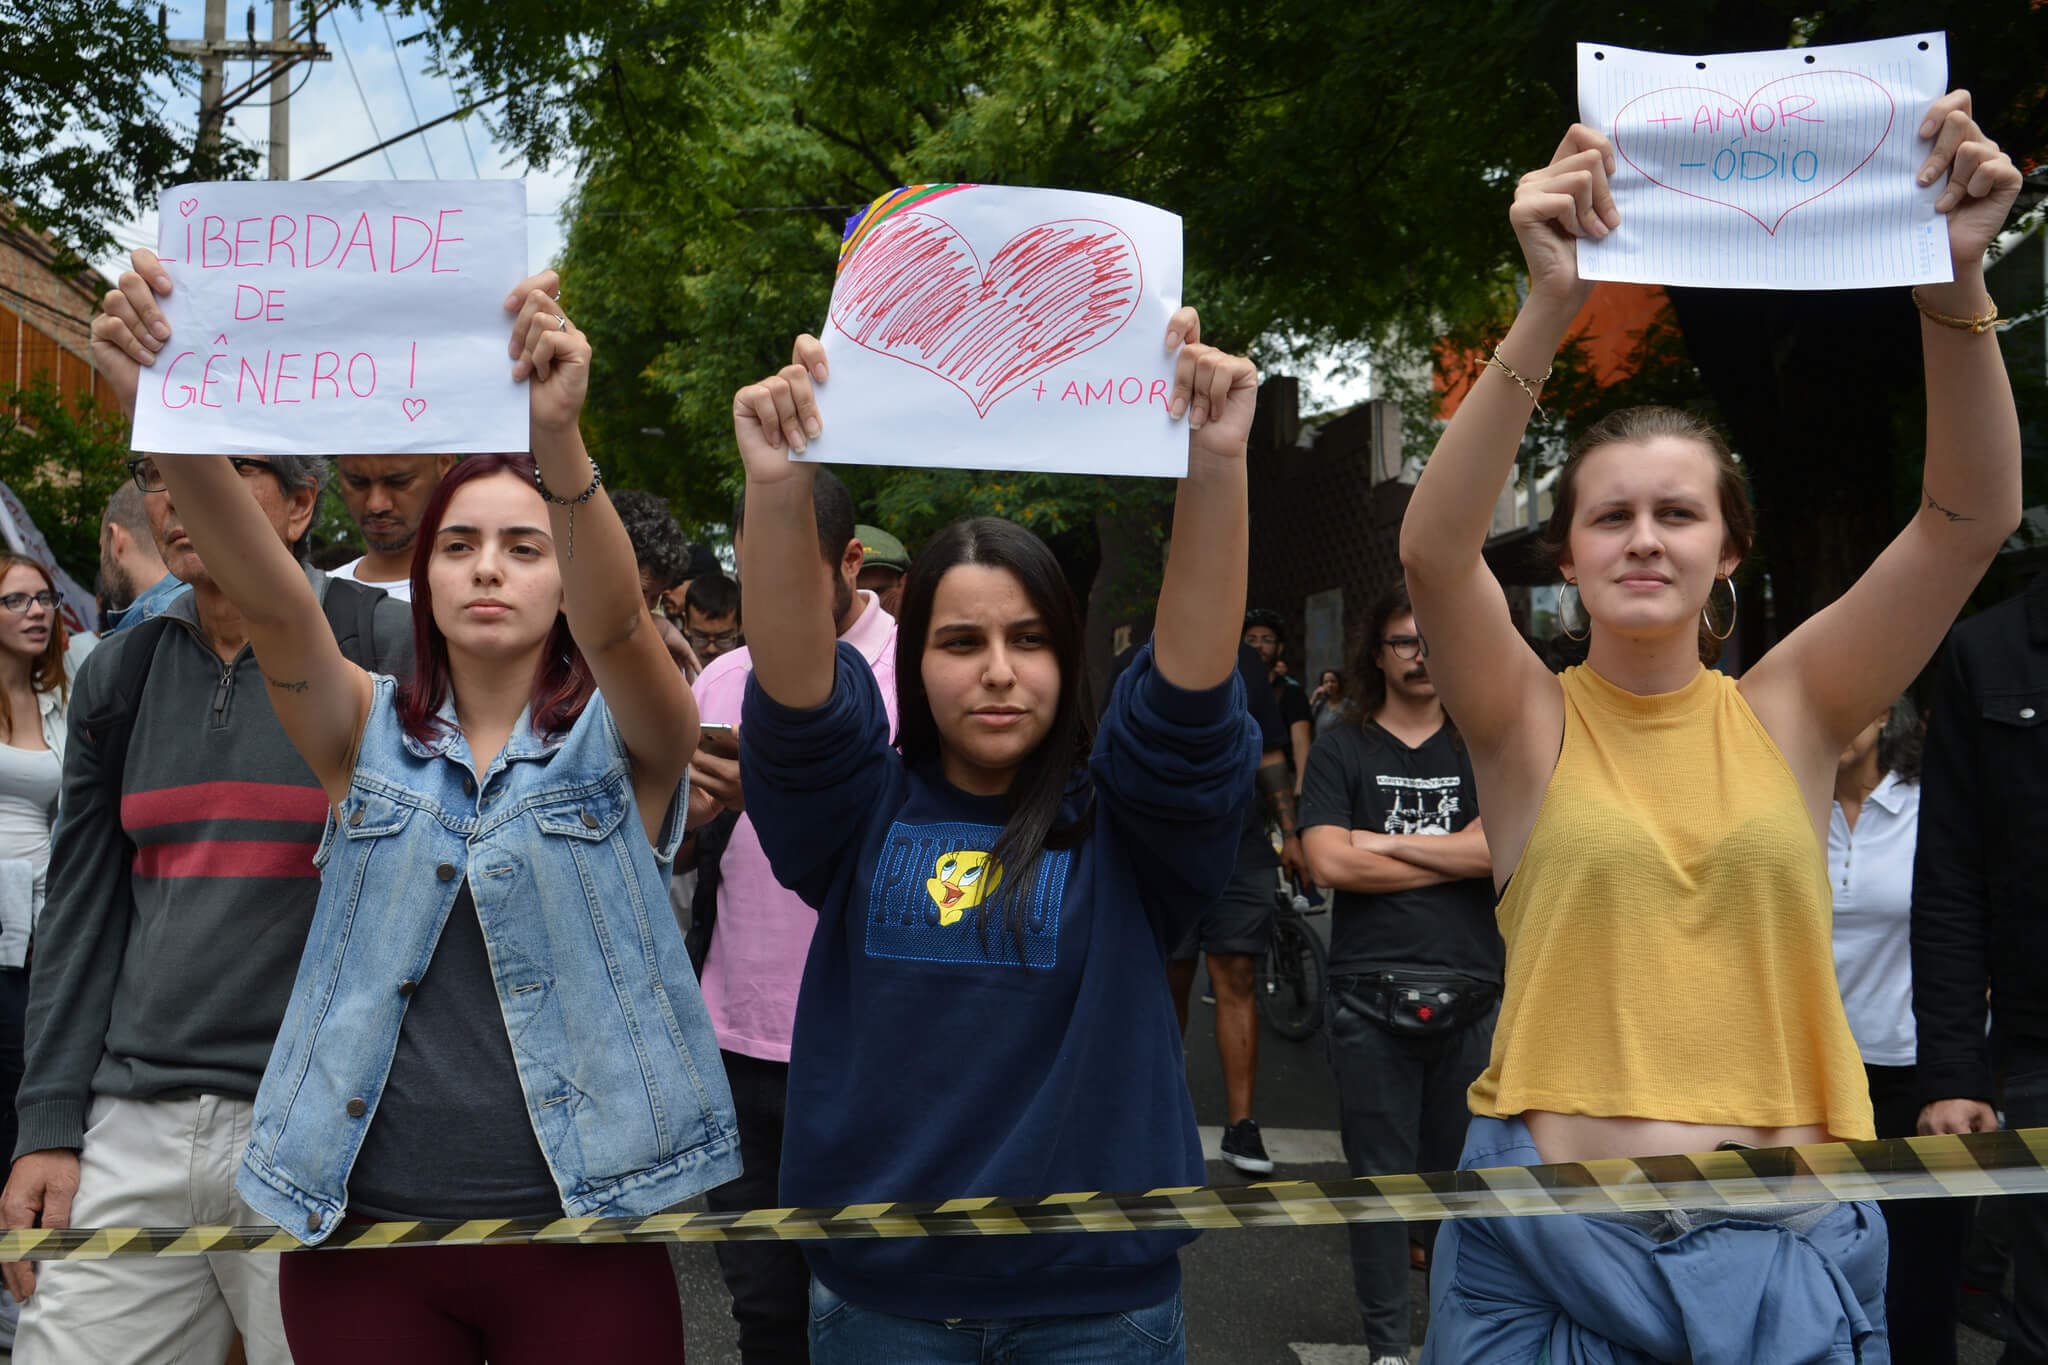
{"x": 1669, "y": 928}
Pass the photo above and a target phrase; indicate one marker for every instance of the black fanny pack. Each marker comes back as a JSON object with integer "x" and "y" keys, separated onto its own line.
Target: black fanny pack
{"x": 1415, "y": 1004}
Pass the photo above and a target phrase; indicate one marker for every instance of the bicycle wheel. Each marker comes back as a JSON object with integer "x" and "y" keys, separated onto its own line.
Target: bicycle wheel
{"x": 1289, "y": 983}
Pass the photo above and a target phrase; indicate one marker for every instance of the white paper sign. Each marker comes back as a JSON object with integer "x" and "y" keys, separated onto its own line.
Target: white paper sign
{"x": 980, "y": 327}
{"x": 1769, "y": 170}
{"x": 353, "y": 317}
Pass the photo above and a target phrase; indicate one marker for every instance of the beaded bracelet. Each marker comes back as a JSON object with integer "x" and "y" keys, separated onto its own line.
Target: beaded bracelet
{"x": 596, "y": 478}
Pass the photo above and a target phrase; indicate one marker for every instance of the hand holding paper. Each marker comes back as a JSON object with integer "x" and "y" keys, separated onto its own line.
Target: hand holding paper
{"x": 1554, "y": 207}
{"x": 986, "y": 327}
{"x": 1982, "y": 180}
{"x": 328, "y": 319}
{"x": 1788, "y": 169}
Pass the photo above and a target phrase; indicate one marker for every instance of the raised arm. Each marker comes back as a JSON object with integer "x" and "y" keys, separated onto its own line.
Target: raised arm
{"x": 783, "y": 598}
{"x": 1824, "y": 681}
{"x": 319, "y": 696}
{"x": 1201, "y": 601}
{"x": 644, "y": 690}
{"x": 1508, "y": 706}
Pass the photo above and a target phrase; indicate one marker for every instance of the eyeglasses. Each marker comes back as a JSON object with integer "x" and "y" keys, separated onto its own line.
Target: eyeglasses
{"x": 1409, "y": 647}
{"x": 19, "y": 602}
{"x": 724, "y": 640}
{"x": 150, "y": 479}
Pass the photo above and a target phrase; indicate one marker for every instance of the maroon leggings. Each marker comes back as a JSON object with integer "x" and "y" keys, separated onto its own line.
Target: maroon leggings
{"x": 516, "y": 1305}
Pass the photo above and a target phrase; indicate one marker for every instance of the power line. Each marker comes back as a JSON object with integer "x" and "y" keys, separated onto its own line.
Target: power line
{"x": 342, "y": 43}
{"x": 405, "y": 83}
{"x": 410, "y": 132}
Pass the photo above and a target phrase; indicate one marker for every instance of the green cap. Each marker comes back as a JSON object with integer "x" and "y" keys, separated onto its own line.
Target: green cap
{"x": 882, "y": 548}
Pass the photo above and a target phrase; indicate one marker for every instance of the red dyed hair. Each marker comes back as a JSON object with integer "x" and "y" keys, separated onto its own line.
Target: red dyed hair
{"x": 562, "y": 684}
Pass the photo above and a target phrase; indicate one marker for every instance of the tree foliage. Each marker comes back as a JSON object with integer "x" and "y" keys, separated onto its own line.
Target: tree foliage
{"x": 87, "y": 141}
{"x": 63, "y": 459}
{"x": 1343, "y": 172}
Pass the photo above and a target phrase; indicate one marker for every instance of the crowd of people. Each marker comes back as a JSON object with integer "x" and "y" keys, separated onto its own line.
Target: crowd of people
{"x": 535, "y": 861}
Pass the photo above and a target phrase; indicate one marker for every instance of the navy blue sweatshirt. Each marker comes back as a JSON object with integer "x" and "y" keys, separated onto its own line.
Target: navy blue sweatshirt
{"x": 933, "y": 1060}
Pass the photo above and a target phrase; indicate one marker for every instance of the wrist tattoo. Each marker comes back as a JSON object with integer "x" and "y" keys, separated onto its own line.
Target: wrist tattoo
{"x": 1952, "y": 516}
{"x": 283, "y": 686}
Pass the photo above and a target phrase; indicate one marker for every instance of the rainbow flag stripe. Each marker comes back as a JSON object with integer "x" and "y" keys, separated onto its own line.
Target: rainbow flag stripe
{"x": 863, "y": 224}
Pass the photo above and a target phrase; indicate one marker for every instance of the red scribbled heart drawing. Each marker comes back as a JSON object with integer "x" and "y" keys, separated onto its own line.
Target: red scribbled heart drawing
{"x": 916, "y": 292}
{"x": 413, "y": 408}
{"x": 1760, "y": 121}
{"x": 185, "y": 206}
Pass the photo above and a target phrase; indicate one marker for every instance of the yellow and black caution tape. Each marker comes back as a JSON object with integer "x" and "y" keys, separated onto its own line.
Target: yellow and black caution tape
{"x": 2014, "y": 1162}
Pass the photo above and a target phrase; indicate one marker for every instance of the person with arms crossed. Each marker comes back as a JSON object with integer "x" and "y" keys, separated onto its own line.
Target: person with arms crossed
{"x": 1390, "y": 819}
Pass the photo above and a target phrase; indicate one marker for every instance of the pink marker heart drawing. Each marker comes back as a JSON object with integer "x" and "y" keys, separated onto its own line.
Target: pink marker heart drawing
{"x": 917, "y": 292}
{"x": 1794, "y": 140}
{"x": 185, "y": 206}
{"x": 413, "y": 408}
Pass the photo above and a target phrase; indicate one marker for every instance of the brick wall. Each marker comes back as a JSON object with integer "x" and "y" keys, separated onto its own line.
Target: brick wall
{"x": 45, "y": 315}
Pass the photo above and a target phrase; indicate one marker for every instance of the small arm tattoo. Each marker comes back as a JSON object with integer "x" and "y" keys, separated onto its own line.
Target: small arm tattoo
{"x": 283, "y": 686}
{"x": 1952, "y": 516}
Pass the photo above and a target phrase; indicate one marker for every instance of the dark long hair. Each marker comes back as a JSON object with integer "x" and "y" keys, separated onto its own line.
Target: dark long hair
{"x": 562, "y": 683}
{"x": 1047, "y": 773}
{"x": 1900, "y": 743}
{"x": 1368, "y": 680}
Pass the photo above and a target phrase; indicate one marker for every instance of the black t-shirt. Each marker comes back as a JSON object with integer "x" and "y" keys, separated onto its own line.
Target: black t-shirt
{"x": 1364, "y": 778}
{"x": 1294, "y": 709}
{"x": 451, "y": 1137}
{"x": 1256, "y": 848}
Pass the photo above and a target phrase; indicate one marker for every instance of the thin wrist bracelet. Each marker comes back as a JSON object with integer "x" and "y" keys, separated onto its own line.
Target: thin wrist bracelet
{"x": 1527, "y": 386}
{"x": 1985, "y": 322}
{"x": 596, "y": 478}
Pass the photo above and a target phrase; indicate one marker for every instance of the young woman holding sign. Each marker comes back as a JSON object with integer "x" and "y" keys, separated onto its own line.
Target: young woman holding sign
{"x": 984, "y": 1009}
{"x": 1658, "y": 828}
{"x": 495, "y": 1016}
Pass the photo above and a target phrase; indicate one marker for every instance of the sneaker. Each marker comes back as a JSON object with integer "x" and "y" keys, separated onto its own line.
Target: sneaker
{"x": 1390, "y": 1359}
{"x": 1243, "y": 1149}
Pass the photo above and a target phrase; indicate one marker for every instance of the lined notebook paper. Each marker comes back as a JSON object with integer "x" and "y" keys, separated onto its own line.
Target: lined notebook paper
{"x": 1769, "y": 170}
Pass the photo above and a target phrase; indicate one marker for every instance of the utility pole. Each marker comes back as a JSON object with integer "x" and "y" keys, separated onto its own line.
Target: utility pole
{"x": 214, "y": 51}
{"x": 280, "y": 93}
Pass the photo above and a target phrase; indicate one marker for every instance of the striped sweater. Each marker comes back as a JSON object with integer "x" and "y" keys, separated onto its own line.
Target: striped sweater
{"x": 175, "y": 919}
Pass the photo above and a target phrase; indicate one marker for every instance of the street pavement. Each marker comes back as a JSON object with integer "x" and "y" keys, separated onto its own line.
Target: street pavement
{"x": 1267, "y": 1297}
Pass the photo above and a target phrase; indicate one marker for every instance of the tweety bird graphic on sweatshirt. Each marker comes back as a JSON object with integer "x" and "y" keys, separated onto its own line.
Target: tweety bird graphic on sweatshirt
{"x": 964, "y": 881}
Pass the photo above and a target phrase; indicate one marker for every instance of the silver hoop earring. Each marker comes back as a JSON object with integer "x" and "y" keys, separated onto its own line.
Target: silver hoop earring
{"x": 1564, "y": 620}
{"x": 1708, "y": 621}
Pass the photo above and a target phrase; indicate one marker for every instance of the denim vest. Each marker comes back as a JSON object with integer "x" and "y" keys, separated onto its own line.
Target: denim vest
{"x": 617, "y": 1058}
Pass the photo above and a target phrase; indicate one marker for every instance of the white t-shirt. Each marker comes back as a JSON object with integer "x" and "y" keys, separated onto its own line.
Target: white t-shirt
{"x": 1870, "y": 870}
{"x": 400, "y": 588}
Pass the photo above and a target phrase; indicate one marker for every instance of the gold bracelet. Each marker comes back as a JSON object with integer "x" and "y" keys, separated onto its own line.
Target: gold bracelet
{"x": 1987, "y": 323}
{"x": 1527, "y": 386}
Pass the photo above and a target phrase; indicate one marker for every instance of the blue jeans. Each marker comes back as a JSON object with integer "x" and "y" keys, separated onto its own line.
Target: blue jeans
{"x": 1788, "y": 1284}
{"x": 843, "y": 1333}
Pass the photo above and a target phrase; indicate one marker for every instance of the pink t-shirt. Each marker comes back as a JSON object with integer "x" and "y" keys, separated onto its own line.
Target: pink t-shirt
{"x": 756, "y": 962}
